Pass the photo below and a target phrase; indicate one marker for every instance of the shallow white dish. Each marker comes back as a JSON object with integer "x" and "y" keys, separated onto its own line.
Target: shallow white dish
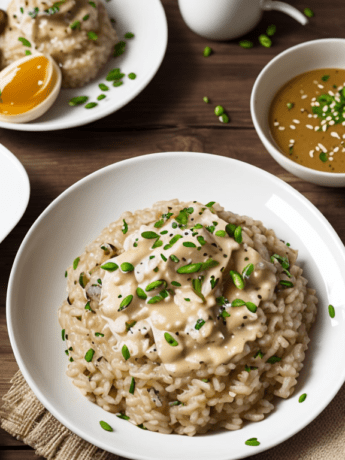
{"x": 143, "y": 55}
{"x": 78, "y": 215}
{"x": 315, "y": 54}
{"x": 14, "y": 191}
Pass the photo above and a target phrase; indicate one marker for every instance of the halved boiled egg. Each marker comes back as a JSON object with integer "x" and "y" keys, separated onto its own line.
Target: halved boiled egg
{"x": 29, "y": 87}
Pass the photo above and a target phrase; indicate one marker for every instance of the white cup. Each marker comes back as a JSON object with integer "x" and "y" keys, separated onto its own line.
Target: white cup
{"x": 227, "y": 19}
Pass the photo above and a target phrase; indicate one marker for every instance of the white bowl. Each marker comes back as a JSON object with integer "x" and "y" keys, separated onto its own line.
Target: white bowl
{"x": 143, "y": 55}
{"x": 14, "y": 191}
{"x": 316, "y": 54}
{"x": 37, "y": 287}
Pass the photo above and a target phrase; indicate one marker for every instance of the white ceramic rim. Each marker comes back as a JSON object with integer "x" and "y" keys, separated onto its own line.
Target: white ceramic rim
{"x": 110, "y": 109}
{"x": 26, "y": 184}
{"x": 302, "y": 169}
{"x": 315, "y": 410}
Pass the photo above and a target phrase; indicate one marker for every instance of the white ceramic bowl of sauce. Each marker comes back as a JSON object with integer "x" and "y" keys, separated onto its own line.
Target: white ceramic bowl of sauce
{"x": 316, "y": 54}
{"x": 29, "y": 87}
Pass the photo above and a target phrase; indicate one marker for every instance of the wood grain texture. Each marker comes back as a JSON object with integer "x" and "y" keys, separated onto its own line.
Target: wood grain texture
{"x": 169, "y": 115}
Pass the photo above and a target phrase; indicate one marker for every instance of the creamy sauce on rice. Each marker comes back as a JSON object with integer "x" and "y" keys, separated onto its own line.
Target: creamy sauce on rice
{"x": 178, "y": 307}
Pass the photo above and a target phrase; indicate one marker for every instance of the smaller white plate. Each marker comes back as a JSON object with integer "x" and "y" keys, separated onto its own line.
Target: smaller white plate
{"x": 14, "y": 191}
{"x": 143, "y": 56}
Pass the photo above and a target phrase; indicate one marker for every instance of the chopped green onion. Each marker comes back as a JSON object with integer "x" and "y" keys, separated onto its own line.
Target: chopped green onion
{"x": 189, "y": 244}
{"x": 103, "y": 87}
{"x": 285, "y": 283}
{"x": 25, "y": 42}
{"x": 224, "y": 314}
{"x": 309, "y": 12}
{"x": 155, "y": 285}
{"x": 101, "y": 96}
{"x": 99, "y": 334}
{"x": 176, "y": 403}
{"x": 302, "y": 398}
{"x": 129, "y": 35}
{"x": 220, "y": 233}
{"x": 125, "y": 352}
{"x": 252, "y": 442}
{"x": 127, "y": 267}
{"x": 75, "y": 263}
{"x": 123, "y": 416}
{"x": 90, "y": 105}
{"x": 89, "y": 355}
{"x": 238, "y": 234}
{"x": 75, "y": 25}
{"x": 126, "y": 302}
{"x": 63, "y": 334}
{"x": 86, "y": 17}
{"x": 205, "y": 380}
{"x": 238, "y": 303}
{"x": 27, "y": 53}
{"x": 199, "y": 324}
{"x": 323, "y": 157}
{"x": 251, "y": 307}
{"x": 265, "y": 41}
{"x": 237, "y": 279}
{"x": 110, "y": 266}
{"x": 83, "y": 280}
{"x": 325, "y": 77}
{"x": 246, "y": 44}
{"x": 331, "y": 311}
{"x": 92, "y": 35}
{"x": 206, "y": 99}
{"x": 130, "y": 325}
{"x": 248, "y": 270}
{"x": 175, "y": 283}
{"x": 132, "y": 386}
{"x": 224, "y": 118}
{"x": 170, "y": 339}
{"x": 207, "y": 51}
{"x": 132, "y": 76}
{"x": 119, "y": 48}
{"x": 273, "y": 359}
{"x": 149, "y": 235}
{"x": 142, "y": 426}
{"x": 290, "y": 105}
{"x": 258, "y": 354}
{"x": 103, "y": 424}
{"x": 271, "y": 30}
{"x": 77, "y": 100}
{"x": 219, "y": 110}
{"x": 190, "y": 268}
{"x": 66, "y": 274}
{"x": 155, "y": 299}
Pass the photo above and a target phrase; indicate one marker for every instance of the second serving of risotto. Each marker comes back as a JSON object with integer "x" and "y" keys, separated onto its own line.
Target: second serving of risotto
{"x": 186, "y": 318}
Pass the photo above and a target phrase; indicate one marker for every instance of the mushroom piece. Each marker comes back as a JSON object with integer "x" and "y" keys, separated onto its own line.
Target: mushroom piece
{"x": 3, "y": 20}
{"x": 94, "y": 292}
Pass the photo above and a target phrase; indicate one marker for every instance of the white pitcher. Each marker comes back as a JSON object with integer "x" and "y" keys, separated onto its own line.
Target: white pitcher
{"x": 227, "y": 19}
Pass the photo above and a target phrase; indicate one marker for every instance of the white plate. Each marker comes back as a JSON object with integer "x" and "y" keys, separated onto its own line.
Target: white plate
{"x": 78, "y": 215}
{"x": 14, "y": 191}
{"x": 143, "y": 55}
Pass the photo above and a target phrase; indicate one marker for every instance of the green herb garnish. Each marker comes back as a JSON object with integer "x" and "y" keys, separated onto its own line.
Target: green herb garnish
{"x": 77, "y": 100}
{"x": 110, "y": 266}
{"x": 66, "y": 274}
{"x": 75, "y": 25}
{"x": 331, "y": 311}
{"x": 237, "y": 279}
{"x": 132, "y": 76}
{"x": 103, "y": 87}
{"x": 265, "y": 41}
{"x": 63, "y": 334}
{"x": 103, "y": 424}
{"x": 251, "y": 307}
{"x": 219, "y": 110}
{"x": 127, "y": 267}
{"x": 132, "y": 386}
{"x": 126, "y": 302}
{"x": 142, "y": 426}
{"x": 170, "y": 339}
{"x": 175, "y": 283}
{"x": 309, "y": 12}
{"x": 155, "y": 299}
{"x": 75, "y": 263}
{"x": 224, "y": 118}
{"x": 207, "y": 51}
{"x": 197, "y": 286}
{"x": 123, "y": 416}
{"x": 248, "y": 270}
{"x": 220, "y": 233}
{"x": 92, "y": 35}
{"x": 252, "y": 442}
{"x": 271, "y": 30}
{"x": 258, "y": 354}
{"x": 238, "y": 303}
{"x": 325, "y": 77}
{"x": 246, "y": 44}
{"x": 119, "y": 48}
{"x": 155, "y": 285}
{"x": 176, "y": 403}
{"x": 117, "y": 83}
{"x": 89, "y": 355}
{"x": 99, "y": 334}
{"x": 90, "y": 105}
{"x": 290, "y": 105}
{"x": 323, "y": 157}
{"x": 189, "y": 244}
{"x": 83, "y": 280}
{"x": 86, "y": 17}
{"x": 174, "y": 258}
{"x": 101, "y": 96}
{"x": 150, "y": 235}
{"x": 114, "y": 74}
{"x": 199, "y": 324}
{"x": 206, "y": 99}
{"x": 273, "y": 359}
{"x": 130, "y": 325}
{"x": 129, "y": 35}
{"x": 302, "y": 398}
{"x": 25, "y": 42}
{"x": 238, "y": 234}
{"x": 125, "y": 352}
{"x": 285, "y": 283}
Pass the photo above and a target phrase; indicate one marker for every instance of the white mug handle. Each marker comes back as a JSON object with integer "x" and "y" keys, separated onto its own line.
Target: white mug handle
{"x": 284, "y": 8}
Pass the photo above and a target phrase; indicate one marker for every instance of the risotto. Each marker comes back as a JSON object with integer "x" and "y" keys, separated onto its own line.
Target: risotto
{"x": 77, "y": 34}
{"x": 186, "y": 318}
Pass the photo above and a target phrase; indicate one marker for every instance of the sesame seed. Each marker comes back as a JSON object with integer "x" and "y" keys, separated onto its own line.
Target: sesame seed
{"x": 330, "y": 158}
{"x": 320, "y": 86}
{"x": 331, "y": 93}
{"x": 316, "y": 82}
{"x": 292, "y": 126}
{"x": 292, "y": 141}
{"x": 335, "y": 114}
{"x": 281, "y": 128}
{"x": 328, "y": 118}
{"x": 323, "y": 122}
{"x": 332, "y": 105}
{"x": 336, "y": 135}
{"x": 317, "y": 104}
{"x": 325, "y": 108}
{"x": 315, "y": 115}
{"x": 314, "y": 99}
{"x": 316, "y": 128}
{"x": 301, "y": 91}
{"x": 304, "y": 96}
{"x": 311, "y": 153}
{"x": 40, "y": 82}
{"x": 317, "y": 148}
{"x": 310, "y": 115}
{"x": 309, "y": 126}
{"x": 296, "y": 121}
{"x": 322, "y": 147}
{"x": 302, "y": 110}
{"x": 332, "y": 122}
{"x": 324, "y": 128}
{"x": 336, "y": 149}
{"x": 276, "y": 123}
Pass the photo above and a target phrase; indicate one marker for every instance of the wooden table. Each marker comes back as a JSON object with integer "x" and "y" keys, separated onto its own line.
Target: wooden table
{"x": 169, "y": 115}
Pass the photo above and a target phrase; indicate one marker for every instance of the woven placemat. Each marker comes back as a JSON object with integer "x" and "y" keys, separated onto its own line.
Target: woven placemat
{"x": 25, "y": 418}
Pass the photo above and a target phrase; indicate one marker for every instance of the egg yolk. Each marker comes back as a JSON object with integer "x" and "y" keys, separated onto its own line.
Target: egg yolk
{"x": 31, "y": 84}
